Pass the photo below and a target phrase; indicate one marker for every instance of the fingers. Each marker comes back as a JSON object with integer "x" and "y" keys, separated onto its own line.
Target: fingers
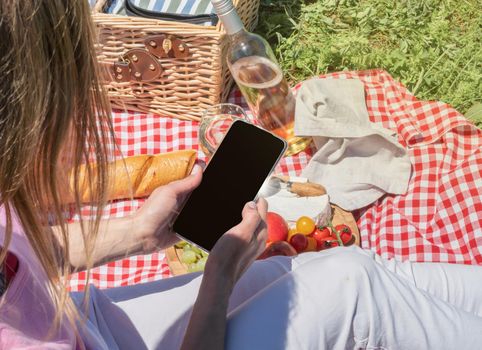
{"x": 262, "y": 207}
{"x": 262, "y": 234}
{"x": 189, "y": 183}
{"x": 197, "y": 168}
{"x": 250, "y": 236}
{"x": 251, "y": 217}
{"x": 261, "y": 231}
{"x": 250, "y": 223}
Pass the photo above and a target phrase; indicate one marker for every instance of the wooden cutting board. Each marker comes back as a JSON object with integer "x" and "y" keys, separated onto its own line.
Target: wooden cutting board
{"x": 173, "y": 256}
{"x": 341, "y": 216}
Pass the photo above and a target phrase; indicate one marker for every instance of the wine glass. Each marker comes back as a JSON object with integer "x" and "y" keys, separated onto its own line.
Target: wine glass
{"x": 215, "y": 122}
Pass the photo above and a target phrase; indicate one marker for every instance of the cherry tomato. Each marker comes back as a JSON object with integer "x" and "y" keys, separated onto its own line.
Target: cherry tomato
{"x": 305, "y": 225}
{"x": 299, "y": 242}
{"x": 321, "y": 233}
{"x": 291, "y": 233}
{"x": 326, "y": 243}
{"x": 343, "y": 228}
{"x": 312, "y": 245}
{"x": 345, "y": 233}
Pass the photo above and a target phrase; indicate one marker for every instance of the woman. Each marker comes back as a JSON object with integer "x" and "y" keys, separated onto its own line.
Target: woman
{"x": 50, "y": 104}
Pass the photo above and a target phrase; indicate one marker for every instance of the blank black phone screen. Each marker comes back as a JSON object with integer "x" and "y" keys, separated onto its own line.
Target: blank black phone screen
{"x": 234, "y": 175}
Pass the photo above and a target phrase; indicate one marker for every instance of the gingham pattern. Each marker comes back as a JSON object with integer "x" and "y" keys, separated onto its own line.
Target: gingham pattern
{"x": 438, "y": 220}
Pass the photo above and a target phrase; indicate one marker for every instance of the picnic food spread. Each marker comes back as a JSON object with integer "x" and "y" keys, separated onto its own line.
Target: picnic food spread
{"x": 302, "y": 216}
{"x": 431, "y": 216}
{"x": 289, "y": 231}
{"x": 304, "y": 236}
{"x": 436, "y": 221}
{"x": 138, "y": 176}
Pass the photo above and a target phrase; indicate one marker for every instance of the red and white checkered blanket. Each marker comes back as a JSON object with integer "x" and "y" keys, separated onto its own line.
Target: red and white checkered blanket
{"x": 438, "y": 220}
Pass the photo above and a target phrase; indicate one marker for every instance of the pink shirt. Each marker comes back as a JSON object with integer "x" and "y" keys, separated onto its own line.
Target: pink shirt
{"x": 26, "y": 311}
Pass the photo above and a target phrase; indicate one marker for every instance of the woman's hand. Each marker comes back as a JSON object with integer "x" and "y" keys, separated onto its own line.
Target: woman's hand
{"x": 145, "y": 231}
{"x": 233, "y": 253}
{"x": 153, "y": 221}
{"x": 237, "y": 249}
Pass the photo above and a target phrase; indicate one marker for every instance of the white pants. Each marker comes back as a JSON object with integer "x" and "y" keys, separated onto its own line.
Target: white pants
{"x": 343, "y": 298}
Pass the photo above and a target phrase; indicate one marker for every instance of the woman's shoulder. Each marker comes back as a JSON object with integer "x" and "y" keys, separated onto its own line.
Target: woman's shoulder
{"x": 15, "y": 221}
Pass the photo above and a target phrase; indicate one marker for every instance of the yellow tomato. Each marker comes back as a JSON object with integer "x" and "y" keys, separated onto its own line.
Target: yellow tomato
{"x": 312, "y": 245}
{"x": 305, "y": 225}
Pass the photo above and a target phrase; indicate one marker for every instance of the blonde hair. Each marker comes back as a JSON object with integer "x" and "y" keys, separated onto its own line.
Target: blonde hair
{"x": 51, "y": 102}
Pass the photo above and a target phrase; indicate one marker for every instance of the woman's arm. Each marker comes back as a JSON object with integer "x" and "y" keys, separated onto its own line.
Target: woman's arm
{"x": 207, "y": 325}
{"x": 234, "y": 252}
{"x": 147, "y": 230}
{"x": 117, "y": 238}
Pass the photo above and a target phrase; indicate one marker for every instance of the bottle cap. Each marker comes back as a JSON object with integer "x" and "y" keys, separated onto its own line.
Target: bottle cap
{"x": 228, "y": 16}
{"x": 222, "y": 6}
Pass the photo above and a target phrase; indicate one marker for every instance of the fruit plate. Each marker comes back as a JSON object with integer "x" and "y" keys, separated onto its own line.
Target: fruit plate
{"x": 340, "y": 216}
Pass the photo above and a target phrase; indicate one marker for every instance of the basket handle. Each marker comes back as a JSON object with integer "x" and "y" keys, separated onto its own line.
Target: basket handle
{"x": 135, "y": 65}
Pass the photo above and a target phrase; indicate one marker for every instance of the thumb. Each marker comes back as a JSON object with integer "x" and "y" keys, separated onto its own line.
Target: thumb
{"x": 251, "y": 220}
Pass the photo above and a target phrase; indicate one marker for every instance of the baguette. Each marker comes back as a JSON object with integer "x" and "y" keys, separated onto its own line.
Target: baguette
{"x": 138, "y": 176}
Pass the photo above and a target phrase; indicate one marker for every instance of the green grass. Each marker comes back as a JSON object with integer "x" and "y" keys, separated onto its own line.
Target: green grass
{"x": 434, "y": 47}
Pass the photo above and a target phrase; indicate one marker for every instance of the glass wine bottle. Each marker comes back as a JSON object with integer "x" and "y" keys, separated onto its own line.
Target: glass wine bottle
{"x": 259, "y": 77}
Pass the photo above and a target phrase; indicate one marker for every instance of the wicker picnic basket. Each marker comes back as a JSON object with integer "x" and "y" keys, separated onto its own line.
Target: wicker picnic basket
{"x": 165, "y": 67}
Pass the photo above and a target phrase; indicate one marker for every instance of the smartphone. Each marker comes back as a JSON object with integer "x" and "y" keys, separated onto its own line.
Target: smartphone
{"x": 237, "y": 170}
